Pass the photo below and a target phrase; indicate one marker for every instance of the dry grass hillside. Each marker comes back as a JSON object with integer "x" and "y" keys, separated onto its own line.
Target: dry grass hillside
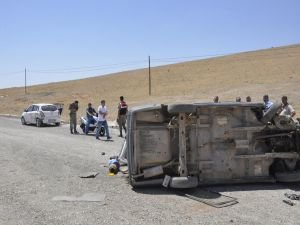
{"x": 274, "y": 71}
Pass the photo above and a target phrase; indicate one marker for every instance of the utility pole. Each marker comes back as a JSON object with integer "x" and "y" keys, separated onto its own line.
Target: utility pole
{"x": 25, "y": 82}
{"x": 149, "y": 77}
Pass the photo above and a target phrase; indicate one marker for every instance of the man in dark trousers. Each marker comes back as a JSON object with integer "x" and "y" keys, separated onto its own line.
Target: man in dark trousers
{"x": 122, "y": 113}
{"x": 90, "y": 112}
{"x": 73, "y": 116}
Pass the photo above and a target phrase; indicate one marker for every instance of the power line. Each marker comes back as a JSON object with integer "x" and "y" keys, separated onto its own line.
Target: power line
{"x": 138, "y": 62}
{"x": 11, "y": 73}
{"x": 90, "y": 68}
{"x": 186, "y": 57}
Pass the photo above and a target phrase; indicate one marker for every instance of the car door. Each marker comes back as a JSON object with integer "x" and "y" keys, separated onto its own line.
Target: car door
{"x": 33, "y": 114}
{"x": 27, "y": 114}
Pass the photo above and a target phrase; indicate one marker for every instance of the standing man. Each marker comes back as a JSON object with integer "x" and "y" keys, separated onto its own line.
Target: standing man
{"x": 122, "y": 113}
{"x": 248, "y": 99}
{"x": 216, "y": 99}
{"x": 102, "y": 114}
{"x": 267, "y": 102}
{"x": 90, "y": 112}
{"x": 73, "y": 117}
{"x": 287, "y": 109}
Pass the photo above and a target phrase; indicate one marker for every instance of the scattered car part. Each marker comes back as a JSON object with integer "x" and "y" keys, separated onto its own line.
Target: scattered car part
{"x": 289, "y": 202}
{"x": 86, "y": 197}
{"x": 123, "y": 154}
{"x": 208, "y": 197}
{"x": 89, "y": 175}
{"x": 292, "y": 196}
{"x": 184, "y": 182}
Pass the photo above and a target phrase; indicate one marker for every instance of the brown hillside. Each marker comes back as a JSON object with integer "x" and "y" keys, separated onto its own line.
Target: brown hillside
{"x": 274, "y": 71}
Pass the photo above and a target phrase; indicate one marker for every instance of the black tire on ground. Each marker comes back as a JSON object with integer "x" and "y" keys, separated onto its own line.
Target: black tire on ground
{"x": 57, "y": 124}
{"x": 39, "y": 122}
{"x": 82, "y": 126}
{"x": 181, "y": 108}
{"x": 102, "y": 131}
{"x": 23, "y": 121}
{"x": 268, "y": 116}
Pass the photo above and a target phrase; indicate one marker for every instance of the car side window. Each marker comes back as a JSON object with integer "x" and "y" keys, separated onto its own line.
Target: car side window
{"x": 30, "y": 108}
{"x": 35, "y": 108}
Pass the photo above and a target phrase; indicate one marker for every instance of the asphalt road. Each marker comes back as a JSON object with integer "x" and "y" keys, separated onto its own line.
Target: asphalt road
{"x": 39, "y": 164}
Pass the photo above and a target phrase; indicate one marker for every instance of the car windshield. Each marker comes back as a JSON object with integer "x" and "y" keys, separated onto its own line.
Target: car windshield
{"x": 49, "y": 108}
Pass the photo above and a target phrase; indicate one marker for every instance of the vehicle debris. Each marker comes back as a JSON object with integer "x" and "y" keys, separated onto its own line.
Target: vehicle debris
{"x": 292, "y": 196}
{"x": 208, "y": 197}
{"x": 89, "y": 175}
{"x": 87, "y": 197}
{"x": 289, "y": 202}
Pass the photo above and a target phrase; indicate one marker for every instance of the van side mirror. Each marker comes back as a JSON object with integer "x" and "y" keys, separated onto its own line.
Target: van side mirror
{"x": 25, "y": 110}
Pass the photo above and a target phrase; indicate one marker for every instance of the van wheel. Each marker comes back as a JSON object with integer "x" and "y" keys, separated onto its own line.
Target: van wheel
{"x": 23, "y": 121}
{"x": 39, "y": 122}
{"x": 57, "y": 124}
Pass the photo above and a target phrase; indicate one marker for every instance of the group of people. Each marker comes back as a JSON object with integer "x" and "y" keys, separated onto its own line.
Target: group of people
{"x": 101, "y": 117}
{"x": 237, "y": 99}
{"x": 101, "y": 114}
{"x": 286, "y": 108}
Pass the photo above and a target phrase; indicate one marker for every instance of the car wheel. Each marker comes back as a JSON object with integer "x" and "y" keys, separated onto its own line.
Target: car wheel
{"x": 57, "y": 124}
{"x": 102, "y": 131}
{"x": 23, "y": 121}
{"x": 38, "y": 122}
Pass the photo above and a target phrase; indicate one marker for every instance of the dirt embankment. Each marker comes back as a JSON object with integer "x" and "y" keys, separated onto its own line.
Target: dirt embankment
{"x": 274, "y": 71}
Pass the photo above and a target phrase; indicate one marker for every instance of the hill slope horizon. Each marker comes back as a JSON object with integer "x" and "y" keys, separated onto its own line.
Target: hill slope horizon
{"x": 274, "y": 71}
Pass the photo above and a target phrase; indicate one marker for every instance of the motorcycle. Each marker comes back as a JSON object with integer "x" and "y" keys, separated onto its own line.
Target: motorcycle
{"x": 92, "y": 127}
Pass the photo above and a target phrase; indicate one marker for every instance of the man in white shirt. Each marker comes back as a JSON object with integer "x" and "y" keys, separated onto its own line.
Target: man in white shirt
{"x": 102, "y": 113}
{"x": 287, "y": 109}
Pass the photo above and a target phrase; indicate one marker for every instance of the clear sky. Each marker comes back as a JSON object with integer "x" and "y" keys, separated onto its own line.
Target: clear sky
{"x": 71, "y": 39}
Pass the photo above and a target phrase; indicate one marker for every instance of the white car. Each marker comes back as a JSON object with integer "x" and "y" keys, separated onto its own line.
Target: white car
{"x": 40, "y": 114}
